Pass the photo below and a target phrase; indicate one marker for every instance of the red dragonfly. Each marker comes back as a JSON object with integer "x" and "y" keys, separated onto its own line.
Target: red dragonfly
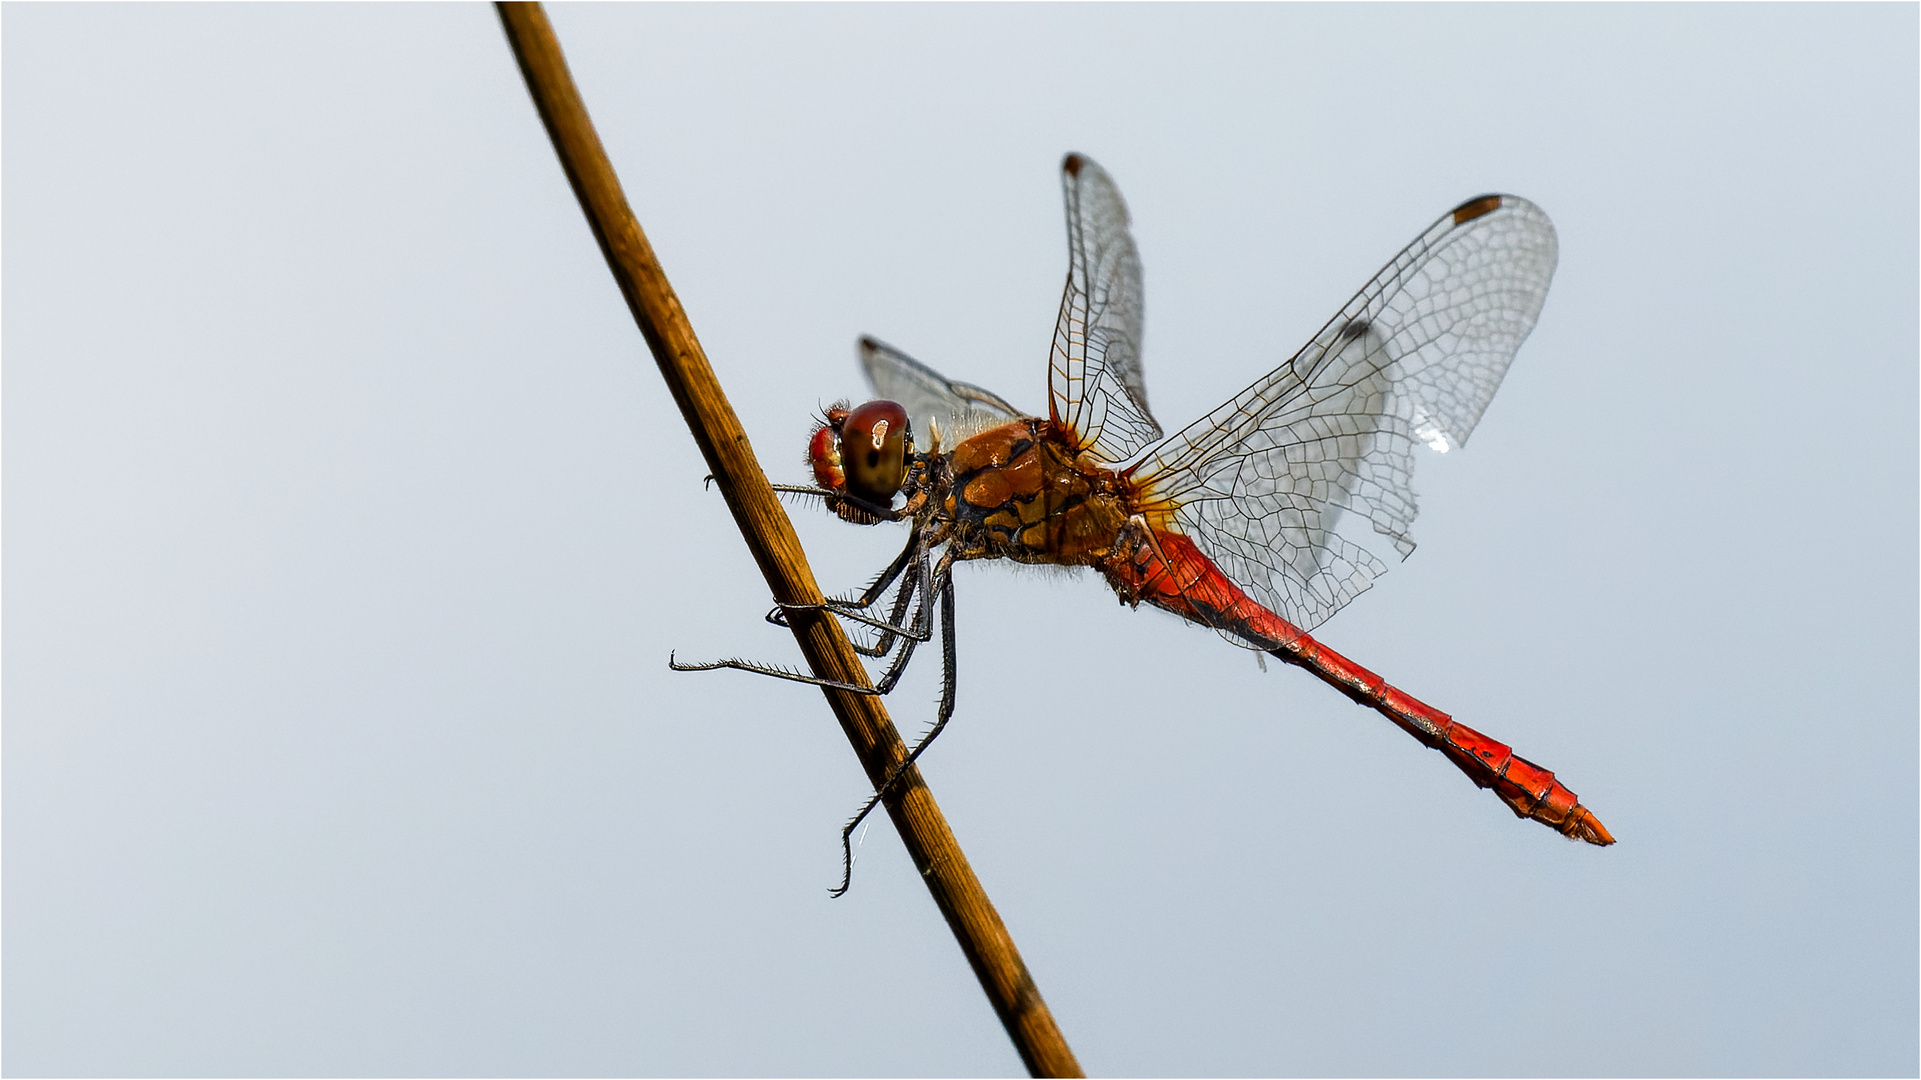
{"x": 1259, "y": 520}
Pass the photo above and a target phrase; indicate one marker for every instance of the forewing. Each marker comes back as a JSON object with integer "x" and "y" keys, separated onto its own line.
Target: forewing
{"x": 960, "y": 409}
{"x": 1262, "y": 483}
{"x": 1095, "y": 390}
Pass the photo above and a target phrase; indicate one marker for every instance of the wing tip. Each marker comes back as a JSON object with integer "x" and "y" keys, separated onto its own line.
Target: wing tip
{"x": 1479, "y": 206}
{"x": 1073, "y": 163}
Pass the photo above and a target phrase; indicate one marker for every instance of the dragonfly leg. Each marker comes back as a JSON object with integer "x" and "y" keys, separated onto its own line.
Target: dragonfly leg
{"x": 798, "y": 489}
{"x": 944, "y": 575}
{"x": 876, "y": 512}
{"x": 927, "y": 581}
{"x": 876, "y": 587}
{"x": 737, "y": 664}
{"x": 855, "y": 609}
{"x": 707, "y": 484}
{"x": 892, "y": 627}
{"x": 910, "y": 636}
{"x": 918, "y": 545}
{"x": 932, "y": 584}
{"x": 896, "y": 626}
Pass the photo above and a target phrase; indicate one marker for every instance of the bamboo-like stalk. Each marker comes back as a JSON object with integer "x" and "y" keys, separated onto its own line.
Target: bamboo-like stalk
{"x": 770, "y": 537}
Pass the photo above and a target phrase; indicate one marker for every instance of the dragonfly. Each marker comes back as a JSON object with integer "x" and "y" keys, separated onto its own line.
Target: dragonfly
{"x": 1259, "y": 520}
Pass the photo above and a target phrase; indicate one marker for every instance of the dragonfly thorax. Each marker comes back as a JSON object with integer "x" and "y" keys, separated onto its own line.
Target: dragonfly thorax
{"x": 1014, "y": 492}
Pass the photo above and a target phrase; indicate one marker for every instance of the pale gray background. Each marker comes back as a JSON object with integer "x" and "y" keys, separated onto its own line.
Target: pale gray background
{"x": 348, "y": 527}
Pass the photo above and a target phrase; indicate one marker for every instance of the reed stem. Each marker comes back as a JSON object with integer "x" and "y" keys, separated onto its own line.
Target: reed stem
{"x": 776, "y": 549}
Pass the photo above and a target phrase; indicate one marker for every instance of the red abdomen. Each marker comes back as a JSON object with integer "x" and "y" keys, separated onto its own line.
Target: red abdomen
{"x": 1166, "y": 570}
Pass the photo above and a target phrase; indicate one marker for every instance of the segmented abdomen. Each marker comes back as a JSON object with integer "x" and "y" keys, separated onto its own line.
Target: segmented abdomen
{"x": 1166, "y": 570}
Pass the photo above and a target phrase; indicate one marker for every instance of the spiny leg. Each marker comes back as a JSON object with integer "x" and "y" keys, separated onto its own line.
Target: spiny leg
{"x": 855, "y": 610}
{"x": 910, "y": 637}
{"x": 879, "y": 513}
{"x": 926, "y": 578}
{"x": 797, "y": 489}
{"x": 944, "y": 574}
{"x": 737, "y": 664}
{"x": 935, "y": 584}
{"x": 893, "y": 627}
{"x": 897, "y": 627}
{"x": 874, "y": 589}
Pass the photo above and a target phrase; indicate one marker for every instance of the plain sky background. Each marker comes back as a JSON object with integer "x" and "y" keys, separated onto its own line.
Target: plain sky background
{"x": 348, "y": 528}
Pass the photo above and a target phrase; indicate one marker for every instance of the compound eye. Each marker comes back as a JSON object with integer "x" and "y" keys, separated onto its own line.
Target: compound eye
{"x": 874, "y": 445}
{"x": 823, "y": 450}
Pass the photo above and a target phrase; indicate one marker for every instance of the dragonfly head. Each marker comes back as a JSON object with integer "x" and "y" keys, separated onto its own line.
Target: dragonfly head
{"x": 862, "y": 452}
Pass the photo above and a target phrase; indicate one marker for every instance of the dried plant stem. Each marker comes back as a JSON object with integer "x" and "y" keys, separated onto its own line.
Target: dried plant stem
{"x": 770, "y": 536}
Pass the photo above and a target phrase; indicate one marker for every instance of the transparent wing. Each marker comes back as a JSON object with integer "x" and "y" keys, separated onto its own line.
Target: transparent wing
{"x": 1262, "y": 483}
{"x": 961, "y": 409}
{"x": 1094, "y": 381}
